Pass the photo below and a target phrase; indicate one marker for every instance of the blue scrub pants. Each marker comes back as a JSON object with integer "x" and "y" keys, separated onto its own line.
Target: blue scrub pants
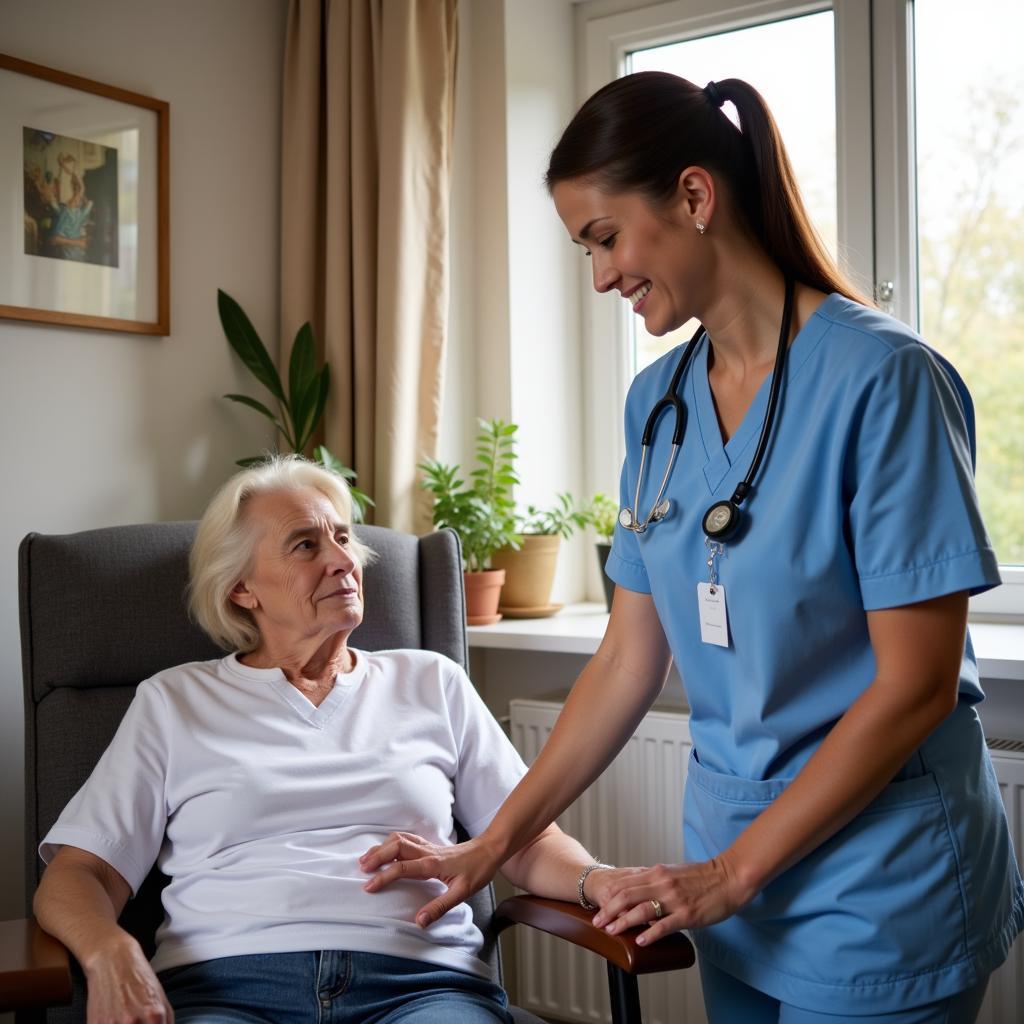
{"x": 729, "y": 1000}
{"x": 329, "y": 987}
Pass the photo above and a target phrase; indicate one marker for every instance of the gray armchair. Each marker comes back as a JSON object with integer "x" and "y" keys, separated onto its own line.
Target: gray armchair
{"x": 103, "y": 610}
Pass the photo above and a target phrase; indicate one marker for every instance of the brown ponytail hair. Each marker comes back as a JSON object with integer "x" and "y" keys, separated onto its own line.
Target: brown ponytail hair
{"x": 638, "y": 133}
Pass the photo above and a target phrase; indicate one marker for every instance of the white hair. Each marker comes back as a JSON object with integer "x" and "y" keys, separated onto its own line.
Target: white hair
{"x": 225, "y": 544}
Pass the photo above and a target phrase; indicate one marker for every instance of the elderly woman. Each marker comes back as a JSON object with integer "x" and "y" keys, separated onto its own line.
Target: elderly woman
{"x": 257, "y": 781}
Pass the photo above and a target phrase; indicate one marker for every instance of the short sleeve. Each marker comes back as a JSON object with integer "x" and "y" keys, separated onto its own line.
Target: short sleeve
{"x": 119, "y": 814}
{"x": 913, "y": 518}
{"x": 489, "y": 767}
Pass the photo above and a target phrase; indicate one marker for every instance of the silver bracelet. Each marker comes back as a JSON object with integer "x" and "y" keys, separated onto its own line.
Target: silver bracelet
{"x": 583, "y": 901}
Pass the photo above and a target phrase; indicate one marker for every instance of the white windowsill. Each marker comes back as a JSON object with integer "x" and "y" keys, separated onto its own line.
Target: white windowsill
{"x": 578, "y": 628}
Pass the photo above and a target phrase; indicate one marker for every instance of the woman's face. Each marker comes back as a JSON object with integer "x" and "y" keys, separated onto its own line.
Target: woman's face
{"x": 651, "y": 257}
{"x": 305, "y": 583}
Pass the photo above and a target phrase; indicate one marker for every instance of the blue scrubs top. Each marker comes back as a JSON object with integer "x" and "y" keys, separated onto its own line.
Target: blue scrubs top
{"x": 865, "y": 500}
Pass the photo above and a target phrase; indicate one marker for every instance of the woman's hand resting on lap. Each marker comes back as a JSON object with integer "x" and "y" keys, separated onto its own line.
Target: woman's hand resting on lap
{"x": 464, "y": 868}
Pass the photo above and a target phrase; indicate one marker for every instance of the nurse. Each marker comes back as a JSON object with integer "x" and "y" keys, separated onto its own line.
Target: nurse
{"x": 847, "y": 854}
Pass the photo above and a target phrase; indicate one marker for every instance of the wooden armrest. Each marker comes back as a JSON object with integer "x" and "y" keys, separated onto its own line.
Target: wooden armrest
{"x": 35, "y": 969}
{"x": 571, "y": 922}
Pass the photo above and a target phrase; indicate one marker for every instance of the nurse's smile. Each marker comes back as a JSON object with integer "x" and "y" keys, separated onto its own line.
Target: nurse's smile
{"x": 636, "y": 248}
{"x": 636, "y": 297}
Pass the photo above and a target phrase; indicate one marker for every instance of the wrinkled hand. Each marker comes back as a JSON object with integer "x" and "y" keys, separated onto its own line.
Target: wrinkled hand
{"x": 464, "y": 869}
{"x": 122, "y": 989}
{"x": 691, "y": 896}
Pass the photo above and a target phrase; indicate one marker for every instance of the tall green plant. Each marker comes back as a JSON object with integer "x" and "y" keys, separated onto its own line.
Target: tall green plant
{"x": 300, "y": 407}
{"x": 482, "y": 511}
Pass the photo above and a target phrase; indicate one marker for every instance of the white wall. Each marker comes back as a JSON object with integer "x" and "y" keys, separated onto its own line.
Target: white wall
{"x": 513, "y": 346}
{"x": 102, "y": 428}
{"x": 543, "y": 282}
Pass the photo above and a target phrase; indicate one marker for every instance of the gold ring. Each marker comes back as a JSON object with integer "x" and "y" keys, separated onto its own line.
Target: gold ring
{"x": 658, "y": 912}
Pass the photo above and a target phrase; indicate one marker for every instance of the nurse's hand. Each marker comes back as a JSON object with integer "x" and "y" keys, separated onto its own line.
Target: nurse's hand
{"x": 464, "y": 869}
{"x": 690, "y": 896}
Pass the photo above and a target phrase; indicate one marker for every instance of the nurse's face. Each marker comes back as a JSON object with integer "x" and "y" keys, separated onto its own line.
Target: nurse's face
{"x": 653, "y": 257}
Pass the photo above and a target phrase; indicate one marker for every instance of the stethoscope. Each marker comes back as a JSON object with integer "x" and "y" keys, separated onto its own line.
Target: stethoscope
{"x": 722, "y": 520}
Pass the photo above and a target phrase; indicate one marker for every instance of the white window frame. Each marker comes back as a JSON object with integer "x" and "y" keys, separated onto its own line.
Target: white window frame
{"x": 875, "y": 183}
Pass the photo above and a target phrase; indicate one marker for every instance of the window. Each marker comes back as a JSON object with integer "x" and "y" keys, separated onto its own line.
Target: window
{"x": 801, "y": 97}
{"x": 969, "y": 116}
{"x": 916, "y": 109}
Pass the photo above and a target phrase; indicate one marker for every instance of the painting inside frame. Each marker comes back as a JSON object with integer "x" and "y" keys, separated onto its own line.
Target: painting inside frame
{"x": 71, "y": 199}
{"x": 82, "y": 235}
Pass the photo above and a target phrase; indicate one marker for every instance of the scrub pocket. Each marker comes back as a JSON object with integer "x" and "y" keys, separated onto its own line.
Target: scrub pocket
{"x": 875, "y": 915}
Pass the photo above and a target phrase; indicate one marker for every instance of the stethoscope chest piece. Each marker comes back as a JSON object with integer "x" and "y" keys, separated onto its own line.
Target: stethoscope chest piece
{"x": 628, "y": 521}
{"x": 722, "y": 520}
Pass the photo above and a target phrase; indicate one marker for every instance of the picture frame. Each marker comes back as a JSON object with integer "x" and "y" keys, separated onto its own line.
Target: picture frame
{"x": 85, "y": 210}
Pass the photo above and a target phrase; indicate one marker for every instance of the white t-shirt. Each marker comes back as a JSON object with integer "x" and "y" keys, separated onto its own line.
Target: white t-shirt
{"x": 258, "y": 804}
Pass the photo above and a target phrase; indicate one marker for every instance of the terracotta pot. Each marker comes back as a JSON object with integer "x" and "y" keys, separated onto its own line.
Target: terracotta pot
{"x": 482, "y": 592}
{"x": 529, "y": 575}
{"x": 603, "y": 551}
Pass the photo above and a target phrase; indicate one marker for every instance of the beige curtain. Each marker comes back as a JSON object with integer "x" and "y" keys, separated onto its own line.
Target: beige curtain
{"x": 369, "y": 95}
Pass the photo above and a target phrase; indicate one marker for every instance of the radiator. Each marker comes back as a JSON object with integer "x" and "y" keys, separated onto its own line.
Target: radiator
{"x": 1004, "y": 1001}
{"x": 632, "y": 815}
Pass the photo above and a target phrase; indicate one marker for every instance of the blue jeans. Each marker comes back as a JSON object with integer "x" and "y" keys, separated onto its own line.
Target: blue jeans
{"x": 728, "y": 1000}
{"x": 329, "y": 987}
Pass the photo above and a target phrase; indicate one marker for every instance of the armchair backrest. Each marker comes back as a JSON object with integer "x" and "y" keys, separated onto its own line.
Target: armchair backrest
{"x": 104, "y": 609}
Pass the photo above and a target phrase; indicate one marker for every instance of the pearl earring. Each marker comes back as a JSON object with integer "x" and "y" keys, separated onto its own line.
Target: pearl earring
{"x": 701, "y": 227}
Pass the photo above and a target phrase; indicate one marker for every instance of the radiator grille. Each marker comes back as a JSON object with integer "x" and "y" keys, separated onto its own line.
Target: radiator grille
{"x": 1005, "y": 995}
{"x": 1006, "y": 746}
{"x": 631, "y": 815}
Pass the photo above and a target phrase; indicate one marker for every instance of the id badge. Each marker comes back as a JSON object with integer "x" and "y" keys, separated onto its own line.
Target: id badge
{"x": 714, "y": 620}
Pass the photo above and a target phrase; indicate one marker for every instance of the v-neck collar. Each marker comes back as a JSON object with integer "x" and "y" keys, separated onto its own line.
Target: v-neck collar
{"x": 722, "y": 456}
{"x": 345, "y": 684}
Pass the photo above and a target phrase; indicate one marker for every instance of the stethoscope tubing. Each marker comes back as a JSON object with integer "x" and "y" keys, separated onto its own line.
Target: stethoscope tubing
{"x": 773, "y": 396}
{"x": 671, "y": 400}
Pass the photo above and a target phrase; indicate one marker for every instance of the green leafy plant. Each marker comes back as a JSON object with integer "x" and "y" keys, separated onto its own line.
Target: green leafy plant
{"x": 602, "y": 513}
{"x": 562, "y": 518}
{"x": 480, "y": 510}
{"x": 300, "y": 407}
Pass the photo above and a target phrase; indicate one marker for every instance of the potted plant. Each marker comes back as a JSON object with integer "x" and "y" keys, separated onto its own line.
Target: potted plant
{"x": 300, "y": 405}
{"x": 603, "y": 513}
{"x": 530, "y": 569}
{"x": 481, "y": 512}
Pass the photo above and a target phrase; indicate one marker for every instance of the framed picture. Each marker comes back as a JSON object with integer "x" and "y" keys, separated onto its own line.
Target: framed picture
{"x": 84, "y": 202}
